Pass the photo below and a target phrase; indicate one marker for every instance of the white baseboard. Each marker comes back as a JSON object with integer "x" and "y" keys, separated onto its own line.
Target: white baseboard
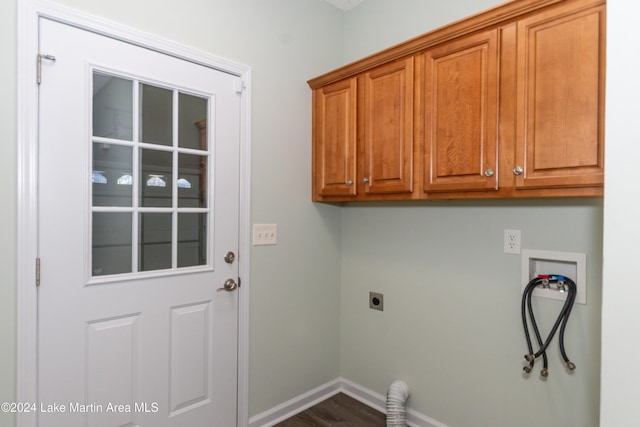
{"x": 296, "y": 405}
{"x": 339, "y": 385}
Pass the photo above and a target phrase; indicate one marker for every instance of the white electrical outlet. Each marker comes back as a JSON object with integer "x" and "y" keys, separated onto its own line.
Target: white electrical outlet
{"x": 265, "y": 234}
{"x": 512, "y": 241}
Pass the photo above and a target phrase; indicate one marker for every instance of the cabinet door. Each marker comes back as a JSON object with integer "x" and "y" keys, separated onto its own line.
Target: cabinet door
{"x": 560, "y": 104}
{"x": 461, "y": 95}
{"x": 387, "y": 134}
{"x": 334, "y": 139}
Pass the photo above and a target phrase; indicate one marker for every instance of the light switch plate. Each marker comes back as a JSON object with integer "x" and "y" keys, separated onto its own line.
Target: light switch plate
{"x": 265, "y": 234}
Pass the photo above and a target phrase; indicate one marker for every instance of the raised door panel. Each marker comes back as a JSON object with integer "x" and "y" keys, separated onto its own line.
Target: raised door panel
{"x": 335, "y": 139}
{"x": 461, "y": 94}
{"x": 560, "y": 107}
{"x": 388, "y": 128}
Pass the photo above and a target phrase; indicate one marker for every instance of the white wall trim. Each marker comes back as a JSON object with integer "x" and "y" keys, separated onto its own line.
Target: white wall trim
{"x": 29, "y": 13}
{"x": 244, "y": 238}
{"x": 27, "y": 250}
{"x": 339, "y": 385}
{"x": 296, "y": 405}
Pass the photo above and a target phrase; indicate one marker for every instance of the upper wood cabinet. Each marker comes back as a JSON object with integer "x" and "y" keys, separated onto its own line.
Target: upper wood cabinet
{"x": 334, "y": 139}
{"x": 363, "y": 134}
{"x": 387, "y": 128}
{"x": 560, "y": 100}
{"x": 460, "y": 120}
{"x": 505, "y": 103}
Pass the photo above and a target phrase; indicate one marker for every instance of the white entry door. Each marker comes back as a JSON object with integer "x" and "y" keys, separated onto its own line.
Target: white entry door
{"x": 138, "y": 221}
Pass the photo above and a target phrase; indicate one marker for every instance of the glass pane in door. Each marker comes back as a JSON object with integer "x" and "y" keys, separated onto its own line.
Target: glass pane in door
{"x": 111, "y": 177}
{"x": 156, "y": 178}
{"x": 192, "y": 239}
{"x": 154, "y": 241}
{"x": 112, "y": 107}
{"x": 192, "y": 122}
{"x": 111, "y": 243}
{"x": 192, "y": 181}
{"x": 156, "y": 115}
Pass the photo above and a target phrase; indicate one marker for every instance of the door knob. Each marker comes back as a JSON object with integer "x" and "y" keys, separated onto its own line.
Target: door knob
{"x": 229, "y": 257}
{"x": 229, "y": 285}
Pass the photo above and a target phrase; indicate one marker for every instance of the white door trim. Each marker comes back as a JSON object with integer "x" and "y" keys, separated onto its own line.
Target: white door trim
{"x": 29, "y": 13}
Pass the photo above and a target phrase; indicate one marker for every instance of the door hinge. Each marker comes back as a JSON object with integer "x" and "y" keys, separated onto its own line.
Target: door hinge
{"x": 239, "y": 85}
{"x": 239, "y": 281}
{"x": 42, "y": 56}
{"x": 37, "y": 271}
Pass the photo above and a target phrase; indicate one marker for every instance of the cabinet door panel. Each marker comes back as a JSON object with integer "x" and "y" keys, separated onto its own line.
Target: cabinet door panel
{"x": 561, "y": 99}
{"x": 388, "y": 128}
{"x": 335, "y": 139}
{"x": 461, "y": 94}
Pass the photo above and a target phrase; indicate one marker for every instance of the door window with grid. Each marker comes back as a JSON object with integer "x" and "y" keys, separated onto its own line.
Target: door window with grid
{"x": 150, "y": 191}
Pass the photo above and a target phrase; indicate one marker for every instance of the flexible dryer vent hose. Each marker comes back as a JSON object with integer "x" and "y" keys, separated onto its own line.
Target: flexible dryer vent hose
{"x": 397, "y": 396}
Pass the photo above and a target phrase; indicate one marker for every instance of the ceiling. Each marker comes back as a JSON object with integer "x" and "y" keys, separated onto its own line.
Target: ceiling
{"x": 345, "y": 4}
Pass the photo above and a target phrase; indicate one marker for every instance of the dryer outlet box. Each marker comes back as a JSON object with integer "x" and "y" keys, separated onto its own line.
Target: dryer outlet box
{"x": 570, "y": 264}
{"x": 376, "y": 301}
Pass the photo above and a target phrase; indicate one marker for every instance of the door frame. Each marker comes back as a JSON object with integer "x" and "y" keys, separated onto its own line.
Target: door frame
{"x": 29, "y": 12}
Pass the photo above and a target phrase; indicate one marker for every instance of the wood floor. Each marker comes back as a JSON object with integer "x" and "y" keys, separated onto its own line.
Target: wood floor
{"x": 337, "y": 411}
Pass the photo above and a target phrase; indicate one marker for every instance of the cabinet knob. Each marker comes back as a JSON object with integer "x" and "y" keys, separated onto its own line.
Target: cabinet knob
{"x": 518, "y": 170}
{"x": 488, "y": 173}
{"x": 365, "y": 180}
{"x": 349, "y": 182}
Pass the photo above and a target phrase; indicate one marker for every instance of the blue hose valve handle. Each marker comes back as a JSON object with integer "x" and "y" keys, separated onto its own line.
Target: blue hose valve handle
{"x": 551, "y": 277}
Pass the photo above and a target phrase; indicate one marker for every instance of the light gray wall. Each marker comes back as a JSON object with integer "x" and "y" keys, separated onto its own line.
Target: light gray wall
{"x": 451, "y": 327}
{"x": 296, "y": 284}
{"x": 379, "y": 24}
